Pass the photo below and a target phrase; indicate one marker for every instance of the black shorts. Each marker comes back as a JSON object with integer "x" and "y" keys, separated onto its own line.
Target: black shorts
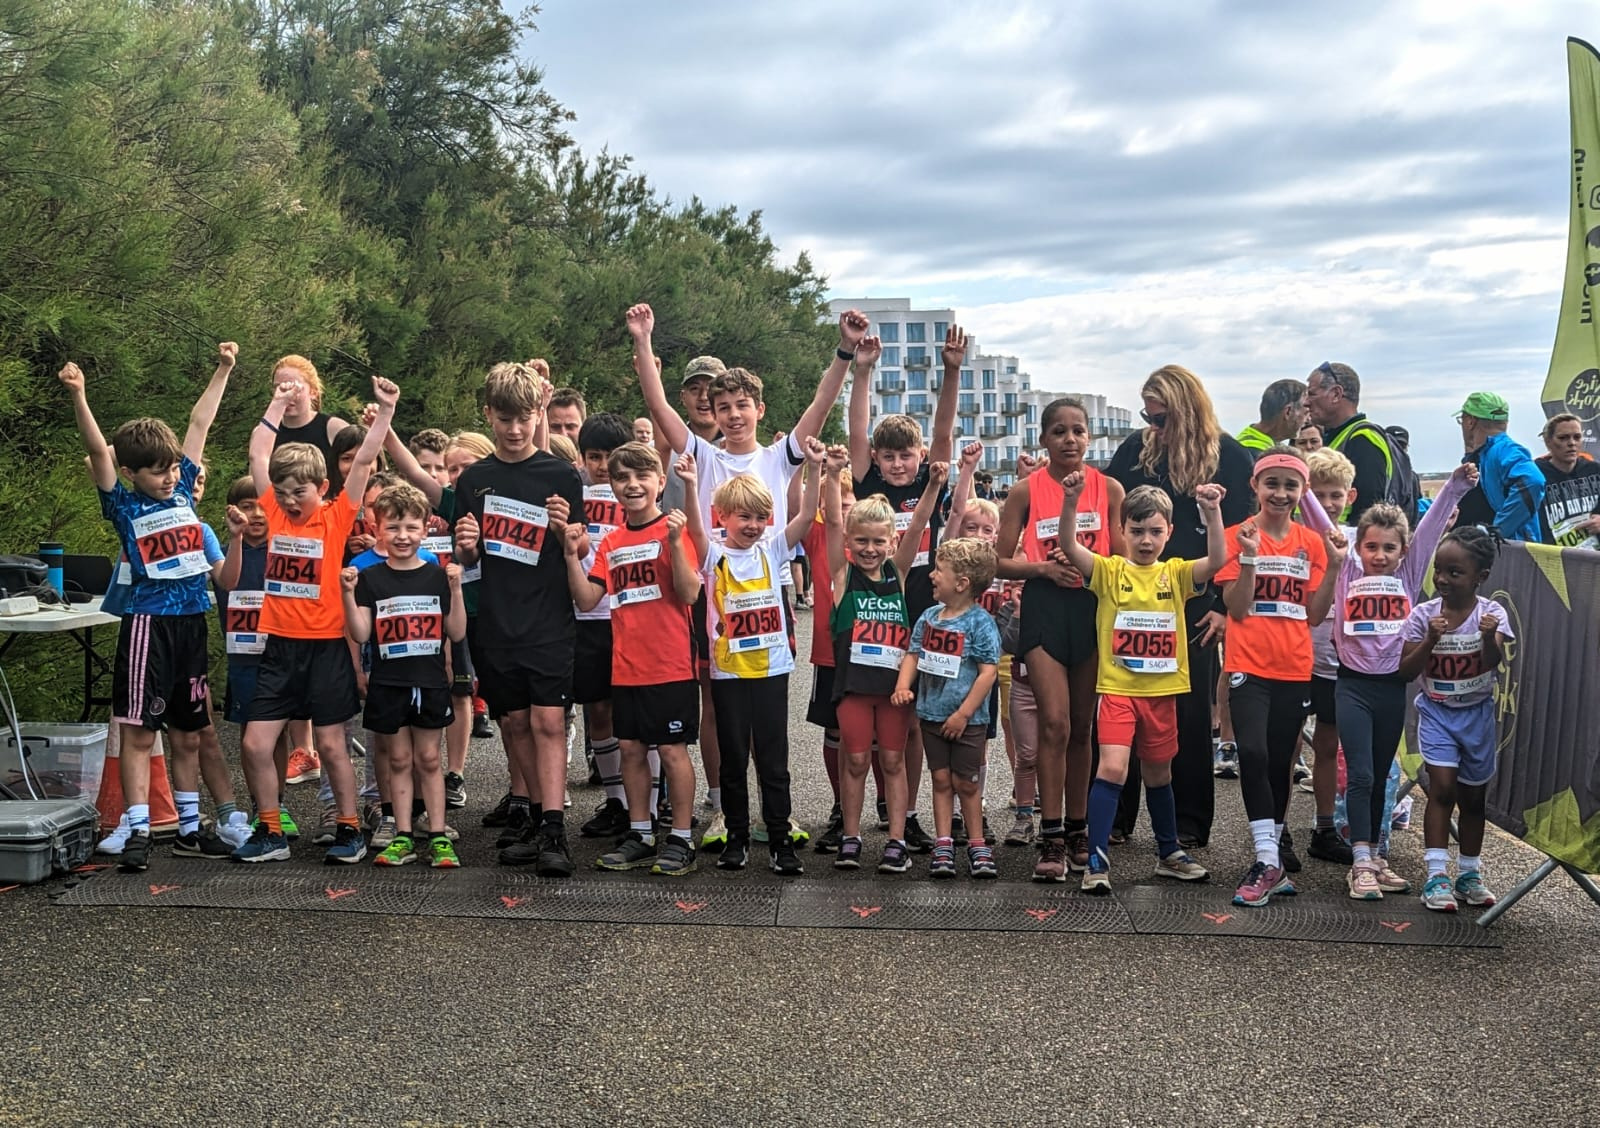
{"x": 160, "y": 677}
{"x": 656, "y": 714}
{"x": 821, "y": 710}
{"x": 1059, "y": 619}
{"x": 510, "y": 681}
{"x": 460, "y": 669}
{"x": 1322, "y": 701}
{"x": 391, "y": 708}
{"x": 241, "y": 691}
{"x": 591, "y": 667}
{"x": 306, "y": 677}
{"x": 700, "y": 641}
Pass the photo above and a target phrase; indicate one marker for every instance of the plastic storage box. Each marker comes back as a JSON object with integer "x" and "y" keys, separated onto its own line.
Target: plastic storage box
{"x": 67, "y": 760}
{"x": 39, "y": 837}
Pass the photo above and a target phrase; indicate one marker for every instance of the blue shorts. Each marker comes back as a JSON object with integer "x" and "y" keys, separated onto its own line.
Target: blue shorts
{"x": 1462, "y": 738}
{"x": 241, "y": 691}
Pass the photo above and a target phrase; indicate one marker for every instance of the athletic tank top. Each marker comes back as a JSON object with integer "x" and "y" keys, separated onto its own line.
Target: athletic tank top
{"x": 314, "y": 433}
{"x": 1040, "y": 535}
{"x": 870, "y": 634}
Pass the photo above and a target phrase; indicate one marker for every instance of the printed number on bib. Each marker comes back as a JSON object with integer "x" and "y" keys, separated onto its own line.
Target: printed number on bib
{"x": 602, "y": 512}
{"x": 941, "y": 651}
{"x": 441, "y": 546}
{"x": 171, "y": 543}
{"x": 902, "y": 522}
{"x": 876, "y": 642}
{"x": 1280, "y": 590}
{"x": 514, "y": 530}
{"x": 243, "y": 619}
{"x": 1455, "y": 668}
{"x": 408, "y": 625}
{"x": 1376, "y": 605}
{"x": 634, "y": 574}
{"x": 1146, "y": 642}
{"x": 753, "y": 620}
{"x": 294, "y": 567}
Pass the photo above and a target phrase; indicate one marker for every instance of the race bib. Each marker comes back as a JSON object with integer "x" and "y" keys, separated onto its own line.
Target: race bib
{"x": 753, "y": 620}
{"x": 902, "y": 522}
{"x": 514, "y": 530}
{"x": 995, "y": 597}
{"x": 876, "y": 642}
{"x": 406, "y": 626}
{"x": 1569, "y": 532}
{"x": 243, "y": 622}
{"x": 1088, "y": 525}
{"x": 171, "y": 543}
{"x": 443, "y": 547}
{"x": 472, "y": 575}
{"x": 1280, "y": 591}
{"x": 633, "y": 574}
{"x": 1145, "y": 642}
{"x": 294, "y": 567}
{"x": 1455, "y": 668}
{"x": 602, "y": 512}
{"x": 1376, "y": 606}
{"x": 941, "y": 651}
{"x": 1047, "y": 532}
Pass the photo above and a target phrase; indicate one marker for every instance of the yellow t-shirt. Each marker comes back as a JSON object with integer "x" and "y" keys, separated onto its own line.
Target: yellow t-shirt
{"x": 1140, "y": 626}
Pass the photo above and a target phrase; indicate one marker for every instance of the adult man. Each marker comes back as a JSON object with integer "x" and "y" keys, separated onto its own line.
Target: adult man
{"x": 694, "y": 396}
{"x": 1283, "y": 412}
{"x": 1511, "y": 481}
{"x": 1333, "y": 394}
{"x": 644, "y": 431}
{"x": 1571, "y": 484}
{"x": 566, "y": 413}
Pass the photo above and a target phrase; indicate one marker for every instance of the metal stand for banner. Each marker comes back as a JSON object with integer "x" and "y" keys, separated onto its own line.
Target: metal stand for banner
{"x": 1546, "y": 868}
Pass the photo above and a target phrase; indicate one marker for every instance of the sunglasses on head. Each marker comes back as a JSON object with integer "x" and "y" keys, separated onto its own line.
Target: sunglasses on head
{"x": 1158, "y": 419}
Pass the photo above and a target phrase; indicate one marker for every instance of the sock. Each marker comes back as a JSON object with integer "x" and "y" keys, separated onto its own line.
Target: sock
{"x": 686, "y": 834}
{"x": 1072, "y": 826}
{"x": 1265, "y": 837}
{"x": 945, "y": 841}
{"x": 139, "y": 818}
{"x": 645, "y": 830}
{"x": 653, "y": 758}
{"x": 225, "y": 813}
{"x": 438, "y": 836}
{"x": 348, "y": 820}
{"x": 1163, "y": 818}
{"x": 272, "y": 820}
{"x": 1324, "y": 822}
{"x": 555, "y": 817}
{"x": 1052, "y": 828}
{"x": 1469, "y": 863}
{"x": 1277, "y": 832}
{"x": 911, "y": 813}
{"x": 1437, "y": 859}
{"x": 520, "y": 803}
{"x": 608, "y": 761}
{"x": 1103, "y": 797}
{"x": 1362, "y": 852}
{"x": 188, "y": 804}
{"x": 387, "y": 810}
{"x": 714, "y": 797}
{"x": 1024, "y": 811}
{"x": 830, "y": 763}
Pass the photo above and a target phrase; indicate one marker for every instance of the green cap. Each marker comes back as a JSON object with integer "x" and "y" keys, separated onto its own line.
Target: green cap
{"x": 1487, "y": 405}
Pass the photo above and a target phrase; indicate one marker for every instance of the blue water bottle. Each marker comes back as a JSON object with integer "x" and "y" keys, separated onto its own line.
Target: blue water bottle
{"x": 54, "y": 554}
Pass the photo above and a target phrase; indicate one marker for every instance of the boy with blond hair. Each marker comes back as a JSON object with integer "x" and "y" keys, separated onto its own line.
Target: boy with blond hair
{"x": 1332, "y": 487}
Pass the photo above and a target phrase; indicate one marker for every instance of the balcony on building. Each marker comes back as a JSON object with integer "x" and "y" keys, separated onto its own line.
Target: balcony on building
{"x": 889, "y": 385}
{"x": 918, "y": 362}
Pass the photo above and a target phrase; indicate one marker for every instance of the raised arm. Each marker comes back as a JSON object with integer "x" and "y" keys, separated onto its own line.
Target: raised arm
{"x": 387, "y": 395}
{"x": 204, "y": 412}
{"x": 961, "y": 495}
{"x": 547, "y": 389}
{"x": 574, "y": 546}
{"x": 685, "y": 575}
{"x": 1077, "y": 555}
{"x": 905, "y": 551}
{"x": 684, "y": 467}
{"x": 265, "y": 435}
{"x": 102, "y": 466}
{"x": 859, "y": 422}
{"x": 641, "y": 325}
{"x": 852, "y": 330}
{"x": 227, "y": 578}
{"x": 1208, "y": 498}
{"x": 407, "y": 466}
{"x": 806, "y": 509}
{"x": 1237, "y": 593}
{"x": 833, "y": 515}
{"x": 953, "y": 355}
{"x": 1321, "y": 601}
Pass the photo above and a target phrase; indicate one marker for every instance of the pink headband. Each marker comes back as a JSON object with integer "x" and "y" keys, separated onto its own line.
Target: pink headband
{"x": 1281, "y": 462}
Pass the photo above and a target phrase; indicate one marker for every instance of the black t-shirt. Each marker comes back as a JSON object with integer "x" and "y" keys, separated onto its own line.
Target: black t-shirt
{"x": 523, "y": 599}
{"x": 315, "y": 433}
{"x": 1567, "y": 497}
{"x": 408, "y": 611}
{"x": 919, "y": 585}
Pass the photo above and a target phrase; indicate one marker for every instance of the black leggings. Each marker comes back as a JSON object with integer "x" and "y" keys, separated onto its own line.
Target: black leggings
{"x": 1267, "y": 715}
{"x": 754, "y": 713}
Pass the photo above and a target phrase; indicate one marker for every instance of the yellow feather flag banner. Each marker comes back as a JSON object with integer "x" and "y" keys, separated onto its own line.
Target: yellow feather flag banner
{"x": 1573, "y": 383}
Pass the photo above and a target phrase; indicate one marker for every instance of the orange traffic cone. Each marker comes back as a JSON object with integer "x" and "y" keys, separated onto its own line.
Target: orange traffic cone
{"x": 163, "y": 811}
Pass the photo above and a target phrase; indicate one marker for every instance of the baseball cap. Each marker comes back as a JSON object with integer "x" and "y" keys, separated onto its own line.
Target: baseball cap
{"x": 703, "y": 366}
{"x": 1487, "y": 405}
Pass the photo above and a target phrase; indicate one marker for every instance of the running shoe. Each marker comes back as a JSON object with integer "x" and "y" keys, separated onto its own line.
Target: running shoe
{"x": 113, "y": 843}
{"x": 1261, "y": 883}
{"x": 849, "y": 854}
{"x": 1052, "y": 863}
{"x": 1022, "y": 831}
{"x": 896, "y": 858}
{"x": 758, "y": 833}
{"x": 422, "y": 825}
{"x": 1097, "y": 875}
{"x": 942, "y": 863}
{"x": 481, "y": 728}
{"x": 200, "y": 844}
{"x": 980, "y": 863}
{"x": 1362, "y": 881}
{"x": 399, "y": 852}
{"x": 236, "y": 831}
{"x": 442, "y": 854}
{"x": 1328, "y": 845}
{"x": 676, "y": 857}
{"x": 136, "y": 853}
{"x": 1287, "y": 858}
{"x": 829, "y": 842}
{"x": 783, "y": 859}
{"x": 1439, "y": 893}
{"x": 555, "y": 859}
{"x": 1389, "y": 881}
{"x": 348, "y": 847}
{"x": 633, "y": 852}
{"x": 798, "y": 834}
{"x": 1302, "y": 773}
{"x": 327, "y": 827}
{"x": 455, "y": 791}
{"x": 1225, "y": 765}
{"x": 716, "y": 834}
{"x": 1181, "y": 867}
{"x": 1078, "y": 849}
{"x": 610, "y": 820}
{"x": 1471, "y": 890}
{"x": 304, "y": 766}
{"x": 519, "y": 825}
{"x": 263, "y": 846}
{"x": 497, "y": 814}
{"x": 917, "y": 840}
{"x": 735, "y": 855}
{"x": 387, "y": 830}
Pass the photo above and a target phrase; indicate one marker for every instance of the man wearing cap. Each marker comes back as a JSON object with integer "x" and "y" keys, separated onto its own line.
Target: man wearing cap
{"x": 1511, "y": 481}
{"x": 1333, "y": 395}
{"x": 695, "y": 398}
{"x": 1283, "y": 412}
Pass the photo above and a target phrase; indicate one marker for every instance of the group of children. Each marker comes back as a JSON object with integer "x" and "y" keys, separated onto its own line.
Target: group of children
{"x": 655, "y": 600}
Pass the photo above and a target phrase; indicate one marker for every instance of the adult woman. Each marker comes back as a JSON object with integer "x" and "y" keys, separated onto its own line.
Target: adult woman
{"x": 1182, "y": 447}
{"x": 1571, "y": 484}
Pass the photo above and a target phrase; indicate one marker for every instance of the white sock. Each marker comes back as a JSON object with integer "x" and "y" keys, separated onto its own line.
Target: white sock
{"x": 644, "y": 830}
{"x": 1362, "y": 852}
{"x": 1437, "y": 859}
{"x": 1277, "y": 832}
{"x": 188, "y": 804}
{"x": 714, "y": 796}
{"x": 139, "y": 818}
{"x": 653, "y": 758}
{"x": 1467, "y": 864}
{"x": 1263, "y": 832}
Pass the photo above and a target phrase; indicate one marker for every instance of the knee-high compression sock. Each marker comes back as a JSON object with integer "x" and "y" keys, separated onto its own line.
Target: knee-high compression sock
{"x": 608, "y": 760}
{"x": 1103, "y": 796}
{"x": 1163, "y": 817}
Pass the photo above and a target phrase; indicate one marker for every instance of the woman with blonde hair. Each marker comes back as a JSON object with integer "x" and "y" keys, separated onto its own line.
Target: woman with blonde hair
{"x": 1182, "y": 446}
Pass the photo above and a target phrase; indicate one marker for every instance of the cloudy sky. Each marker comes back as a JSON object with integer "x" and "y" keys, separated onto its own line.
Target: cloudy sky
{"x": 1246, "y": 188}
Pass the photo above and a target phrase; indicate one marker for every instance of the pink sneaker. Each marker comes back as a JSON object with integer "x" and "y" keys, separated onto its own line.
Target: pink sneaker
{"x": 1260, "y": 883}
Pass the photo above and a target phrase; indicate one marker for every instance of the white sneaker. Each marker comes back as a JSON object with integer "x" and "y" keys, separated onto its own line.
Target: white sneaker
{"x": 113, "y": 843}
{"x": 236, "y": 831}
{"x": 716, "y": 832}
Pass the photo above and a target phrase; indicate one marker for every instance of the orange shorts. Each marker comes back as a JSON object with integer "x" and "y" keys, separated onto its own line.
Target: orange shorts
{"x": 1148, "y": 724}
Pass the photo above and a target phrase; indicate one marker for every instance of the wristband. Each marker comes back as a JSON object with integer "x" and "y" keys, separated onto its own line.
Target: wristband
{"x": 1247, "y": 561}
{"x": 847, "y": 357}
{"x": 267, "y": 423}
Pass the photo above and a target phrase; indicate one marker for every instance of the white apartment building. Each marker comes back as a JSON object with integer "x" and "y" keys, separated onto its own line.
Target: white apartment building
{"x": 996, "y": 404}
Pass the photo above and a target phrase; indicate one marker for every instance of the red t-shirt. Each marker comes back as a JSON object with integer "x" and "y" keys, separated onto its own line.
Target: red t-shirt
{"x": 302, "y": 583}
{"x": 1274, "y": 640}
{"x": 816, "y": 545}
{"x": 649, "y": 623}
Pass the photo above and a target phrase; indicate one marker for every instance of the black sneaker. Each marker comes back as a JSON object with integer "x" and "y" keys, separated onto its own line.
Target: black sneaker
{"x": 1328, "y": 845}
{"x": 896, "y": 858}
{"x": 519, "y": 823}
{"x": 833, "y": 836}
{"x": 784, "y": 860}
{"x": 1287, "y": 858}
{"x": 200, "y": 845}
{"x": 735, "y": 855}
{"x": 522, "y": 850}
{"x": 555, "y": 860}
{"x": 502, "y": 809}
{"x": 610, "y": 820}
{"x": 849, "y": 855}
{"x": 481, "y": 728}
{"x": 136, "y": 854}
{"x": 455, "y": 791}
{"x": 883, "y": 813}
{"x": 918, "y": 841}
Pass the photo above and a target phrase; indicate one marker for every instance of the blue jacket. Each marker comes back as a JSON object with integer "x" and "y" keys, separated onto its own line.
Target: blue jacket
{"x": 1513, "y": 485}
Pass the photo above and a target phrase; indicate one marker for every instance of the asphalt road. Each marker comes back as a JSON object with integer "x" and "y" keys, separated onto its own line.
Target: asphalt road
{"x": 160, "y": 1016}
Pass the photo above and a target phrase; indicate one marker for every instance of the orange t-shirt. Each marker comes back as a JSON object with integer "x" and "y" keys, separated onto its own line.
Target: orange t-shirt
{"x": 1274, "y": 640}
{"x": 649, "y": 623}
{"x": 302, "y": 585}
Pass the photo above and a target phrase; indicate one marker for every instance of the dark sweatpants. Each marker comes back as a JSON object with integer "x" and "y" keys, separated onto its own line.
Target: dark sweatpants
{"x": 753, "y": 713}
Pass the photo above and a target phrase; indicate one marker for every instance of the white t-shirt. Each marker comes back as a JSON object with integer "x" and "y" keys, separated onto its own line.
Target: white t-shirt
{"x": 774, "y": 465}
